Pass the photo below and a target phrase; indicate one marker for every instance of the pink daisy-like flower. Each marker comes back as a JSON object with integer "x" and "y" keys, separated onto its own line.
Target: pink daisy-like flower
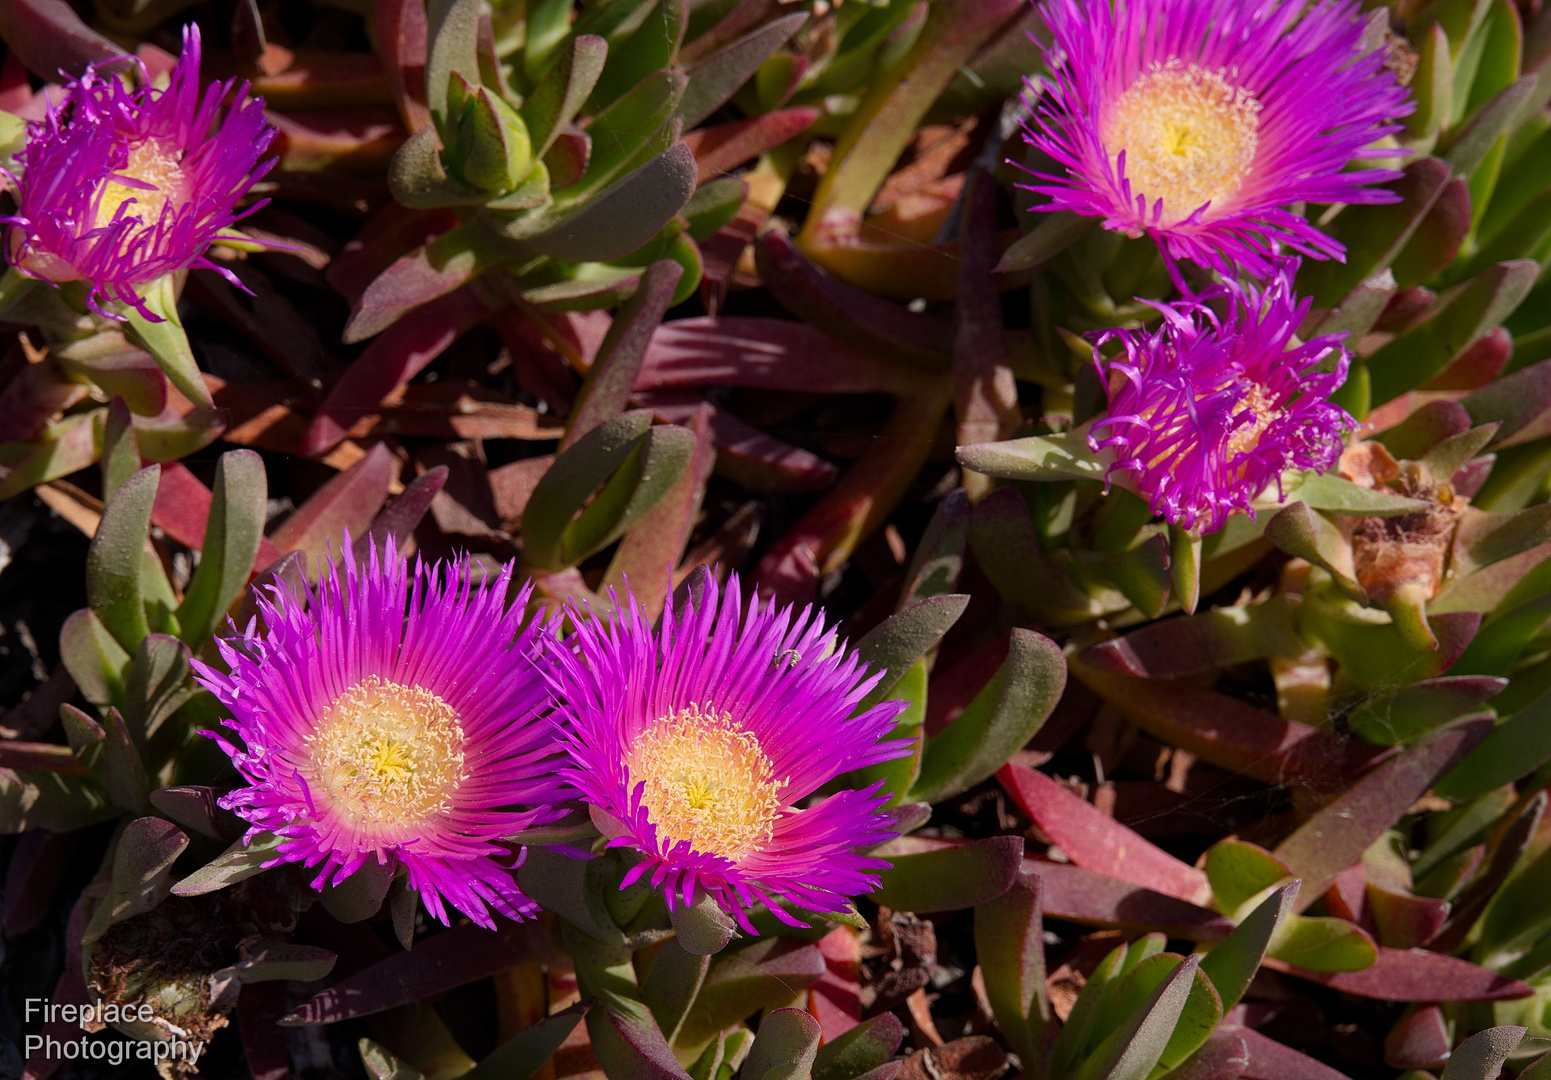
{"x": 125, "y": 184}
{"x": 696, "y": 743}
{"x": 394, "y": 716}
{"x": 1206, "y": 411}
{"x": 1201, "y": 121}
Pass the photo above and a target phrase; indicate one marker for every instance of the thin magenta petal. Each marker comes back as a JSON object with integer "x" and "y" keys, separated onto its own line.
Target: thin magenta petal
{"x": 779, "y": 676}
{"x": 1206, "y": 412}
{"x": 428, "y": 628}
{"x": 1321, "y": 105}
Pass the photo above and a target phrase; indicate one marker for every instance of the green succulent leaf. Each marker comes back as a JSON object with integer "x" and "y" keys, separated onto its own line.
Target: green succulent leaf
{"x": 999, "y": 721}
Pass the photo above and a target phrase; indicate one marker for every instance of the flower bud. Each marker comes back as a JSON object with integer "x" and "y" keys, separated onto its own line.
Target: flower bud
{"x": 488, "y": 144}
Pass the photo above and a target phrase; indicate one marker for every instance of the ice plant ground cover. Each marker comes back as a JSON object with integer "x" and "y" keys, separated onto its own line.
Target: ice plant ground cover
{"x": 866, "y": 540}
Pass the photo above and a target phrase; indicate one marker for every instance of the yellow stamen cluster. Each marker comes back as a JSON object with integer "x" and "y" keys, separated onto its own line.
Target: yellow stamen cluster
{"x": 1189, "y": 137}
{"x": 1263, "y": 414}
{"x": 387, "y": 756}
{"x": 707, "y": 781}
{"x": 153, "y": 163}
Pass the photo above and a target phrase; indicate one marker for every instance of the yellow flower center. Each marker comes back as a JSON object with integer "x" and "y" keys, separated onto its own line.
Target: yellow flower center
{"x": 153, "y": 163}
{"x": 1263, "y": 414}
{"x": 388, "y": 756}
{"x": 707, "y": 781}
{"x": 1189, "y": 138}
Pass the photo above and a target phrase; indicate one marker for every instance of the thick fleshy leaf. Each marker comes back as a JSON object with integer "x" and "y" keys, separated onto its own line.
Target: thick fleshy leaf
{"x": 1301, "y": 532}
{"x": 722, "y": 148}
{"x": 1416, "y": 975}
{"x": 845, "y": 312}
{"x": 1469, "y": 146}
{"x": 606, "y": 391}
{"x": 718, "y": 76}
{"x": 1374, "y": 235}
{"x": 194, "y": 807}
{"x": 1483, "y": 1054}
{"x": 649, "y": 553}
{"x": 1359, "y": 309}
{"x": 428, "y": 273}
{"x": 1009, "y": 942}
{"x": 621, "y": 217}
{"x": 1326, "y": 491}
{"x": 1239, "y": 871}
{"x": 142, "y": 862}
{"x": 156, "y": 684}
{"x": 784, "y": 1047}
{"x": 997, "y": 723}
{"x": 1094, "y": 899}
{"x": 404, "y": 513}
{"x": 952, "y": 877}
{"x": 743, "y": 981}
{"x": 882, "y": 125}
{"x": 443, "y": 962}
{"x": 1420, "y": 353}
{"x": 166, "y": 340}
{"x": 526, "y": 1052}
{"x": 397, "y": 355}
{"x": 1038, "y": 457}
{"x": 1424, "y": 429}
{"x": 1324, "y": 944}
{"x": 1232, "y": 734}
{"x": 49, "y": 37}
{"x": 939, "y": 557}
{"x": 1411, "y": 711}
{"x": 243, "y": 859}
{"x": 232, "y": 536}
{"x": 1132, "y": 1050}
{"x": 1232, "y": 963}
{"x": 702, "y": 928}
{"x": 639, "y": 464}
{"x": 1200, "y": 643}
{"x": 1437, "y": 239}
{"x": 118, "y": 368}
{"x": 768, "y": 354}
{"x": 865, "y": 1047}
{"x": 113, "y": 561}
{"x": 1270, "y": 1060}
{"x": 1512, "y": 750}
{"x": 672, "y": 983}
{"x": 1336, "y": 836}
{"x": 1096, "y": 841}
{"x": 452, "y": 32}
{"x": 359, "y": 896}
{"x": 1008, "y": 550}
{"x": 93, "y": 657}
{"x": 1054, "y": 233}
{"x": 562, "y": 92}
{"x": 895, "y": 644}
{"x": 345, "y": 505}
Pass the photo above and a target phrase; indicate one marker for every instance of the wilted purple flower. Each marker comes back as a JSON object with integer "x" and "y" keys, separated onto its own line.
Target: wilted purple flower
{"x": 123, "y": 185}
{"x": 1200, "y": 121}
{"x": 398, "y": 717}
{"x": 1206, "y": 411}
{"x": 701, "y": 740}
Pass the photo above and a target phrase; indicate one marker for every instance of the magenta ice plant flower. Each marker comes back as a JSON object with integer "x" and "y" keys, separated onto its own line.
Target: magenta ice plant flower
{"x": 700, "y": 743}
{"x": 122, "y": 185}
{"x": 396, "y": 715}
{"x": 1200, "y": 122}
{"x": 1208, "y": 409}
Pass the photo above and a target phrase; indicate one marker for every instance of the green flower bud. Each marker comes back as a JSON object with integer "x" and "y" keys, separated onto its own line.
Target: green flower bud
{"x": 488, "y": 144}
